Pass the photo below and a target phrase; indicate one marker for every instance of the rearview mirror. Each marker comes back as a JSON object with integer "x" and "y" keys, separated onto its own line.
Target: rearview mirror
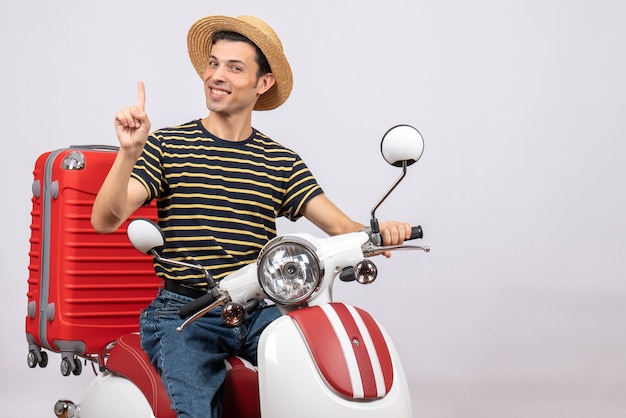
{"x": 402, "y": 143}
{"x": 145, "y": 235}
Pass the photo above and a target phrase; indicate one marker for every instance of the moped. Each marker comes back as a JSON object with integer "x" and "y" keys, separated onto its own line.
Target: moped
{"x": 321, "y": 358}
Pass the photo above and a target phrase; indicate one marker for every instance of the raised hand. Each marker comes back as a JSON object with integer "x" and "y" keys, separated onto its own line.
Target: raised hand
{"x": 132, "y": 124}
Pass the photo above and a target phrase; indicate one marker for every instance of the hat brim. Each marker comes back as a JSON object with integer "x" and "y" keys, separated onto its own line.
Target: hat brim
{"x": 199, "y": 44}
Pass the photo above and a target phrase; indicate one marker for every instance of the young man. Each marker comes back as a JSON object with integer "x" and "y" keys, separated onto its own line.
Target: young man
{"x": 219, "y": 184}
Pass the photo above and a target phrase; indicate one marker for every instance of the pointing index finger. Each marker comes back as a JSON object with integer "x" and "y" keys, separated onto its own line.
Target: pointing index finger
{"x": 141, "y": 96}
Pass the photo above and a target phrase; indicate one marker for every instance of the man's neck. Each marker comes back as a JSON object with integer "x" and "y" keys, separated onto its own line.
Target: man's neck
{"x": 229, "y": 128}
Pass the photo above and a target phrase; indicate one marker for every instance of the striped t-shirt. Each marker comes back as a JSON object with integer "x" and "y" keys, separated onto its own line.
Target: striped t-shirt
{"x": 218, "y": 200}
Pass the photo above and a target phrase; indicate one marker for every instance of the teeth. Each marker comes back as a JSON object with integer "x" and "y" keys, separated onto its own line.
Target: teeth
{"x": 219, "y": 92}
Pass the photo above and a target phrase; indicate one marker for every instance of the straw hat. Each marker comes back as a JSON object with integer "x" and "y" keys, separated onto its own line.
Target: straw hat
{"x": 199, "y": 44}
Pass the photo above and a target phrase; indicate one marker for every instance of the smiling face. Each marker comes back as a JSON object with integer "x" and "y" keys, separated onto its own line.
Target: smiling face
{"x": 231, "y": 81}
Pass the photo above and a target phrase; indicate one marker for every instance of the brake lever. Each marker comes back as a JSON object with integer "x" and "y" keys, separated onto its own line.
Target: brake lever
{"x": 372, "y": 250}
{"x": 224, "y": 298}
{"x": 374, "y": 245}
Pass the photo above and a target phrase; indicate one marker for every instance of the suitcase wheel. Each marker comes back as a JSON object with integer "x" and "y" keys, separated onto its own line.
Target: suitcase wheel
{"x": 71, "y": 365}
{"x": 33, "y": 360}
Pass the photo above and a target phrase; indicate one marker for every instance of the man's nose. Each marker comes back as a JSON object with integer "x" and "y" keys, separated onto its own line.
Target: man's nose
{"x": 219, "y": 73}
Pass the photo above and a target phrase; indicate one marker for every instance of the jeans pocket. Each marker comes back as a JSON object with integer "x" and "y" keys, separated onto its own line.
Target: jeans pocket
{"x": 169, "y": 310}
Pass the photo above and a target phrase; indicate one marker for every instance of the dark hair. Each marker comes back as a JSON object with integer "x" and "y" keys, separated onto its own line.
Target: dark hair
{"x": 261, "y": 60}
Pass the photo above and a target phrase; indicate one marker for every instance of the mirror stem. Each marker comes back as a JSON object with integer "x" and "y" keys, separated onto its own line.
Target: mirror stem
{"x": 209, "y": 280}
{"x": 373, "y": 221}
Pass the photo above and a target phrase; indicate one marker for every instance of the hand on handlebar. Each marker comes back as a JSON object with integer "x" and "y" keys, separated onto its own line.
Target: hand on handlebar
{"x": 394, "y": 233}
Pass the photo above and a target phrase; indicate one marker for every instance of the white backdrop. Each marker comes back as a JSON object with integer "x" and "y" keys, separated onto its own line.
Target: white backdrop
{"x": 518, "y": 311}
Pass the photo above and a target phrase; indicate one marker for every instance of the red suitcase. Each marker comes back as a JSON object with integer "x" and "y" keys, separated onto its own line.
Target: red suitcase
{"x": 84, "y": 289}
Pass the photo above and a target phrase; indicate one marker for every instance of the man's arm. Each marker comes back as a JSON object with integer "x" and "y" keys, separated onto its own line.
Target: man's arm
{"x": 120, "y": 195}
{"x": 329, "y": 218}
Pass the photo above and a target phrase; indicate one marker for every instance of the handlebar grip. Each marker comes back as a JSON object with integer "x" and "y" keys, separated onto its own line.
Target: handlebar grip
{"x": 196, "y": 305}
{"x": 347, "y": 275}
{"x": 416, "y": 232}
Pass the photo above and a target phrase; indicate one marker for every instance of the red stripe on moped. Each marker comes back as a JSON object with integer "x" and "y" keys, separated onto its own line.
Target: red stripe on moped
{"x": 366, "y": 372}
{"x": 348, "y": 349}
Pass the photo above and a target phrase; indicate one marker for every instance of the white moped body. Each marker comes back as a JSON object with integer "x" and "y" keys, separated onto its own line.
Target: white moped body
{"x": 328, "y": 359}
{"x": 290, "y": 381}
{"x": 337, "y": 375}
{"x": 111, "y": 393}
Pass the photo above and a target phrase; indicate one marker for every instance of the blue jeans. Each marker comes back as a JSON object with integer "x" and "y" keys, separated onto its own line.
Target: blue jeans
{"x": 191, "y": 363}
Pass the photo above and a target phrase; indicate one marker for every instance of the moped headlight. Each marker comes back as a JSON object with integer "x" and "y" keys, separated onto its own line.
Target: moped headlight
{"x": 289, "y": 270}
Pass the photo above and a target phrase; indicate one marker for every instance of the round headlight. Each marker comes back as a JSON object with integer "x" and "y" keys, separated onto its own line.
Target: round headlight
{"x": 289, "y": 270}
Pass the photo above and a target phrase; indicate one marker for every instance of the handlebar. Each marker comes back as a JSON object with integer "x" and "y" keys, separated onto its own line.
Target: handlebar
{"x": 416, "y": 232}
{"x": 196, "y": 305}
{"x": 375, "y": 246}
{"x": 203, "y": 302}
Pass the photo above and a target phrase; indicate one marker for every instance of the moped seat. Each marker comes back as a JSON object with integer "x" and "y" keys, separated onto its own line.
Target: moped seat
{"x": 241, "y": 388}
{"x": 127, "y": 358}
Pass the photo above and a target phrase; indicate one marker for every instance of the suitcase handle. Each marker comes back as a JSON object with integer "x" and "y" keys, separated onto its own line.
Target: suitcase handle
{"x": 91, "y": 146}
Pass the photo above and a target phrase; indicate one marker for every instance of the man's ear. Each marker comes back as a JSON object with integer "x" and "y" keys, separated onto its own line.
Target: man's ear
{"x": 266, "y": 81}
